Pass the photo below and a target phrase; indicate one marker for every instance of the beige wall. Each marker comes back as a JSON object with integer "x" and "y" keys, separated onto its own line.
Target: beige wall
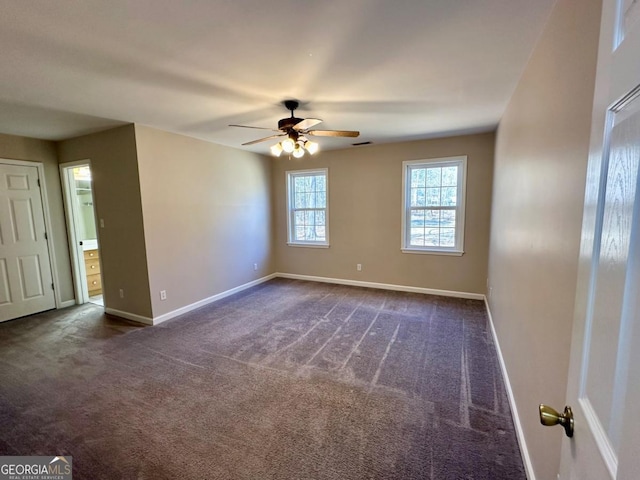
{"x": 540, "y": 167}
{"x": 207, "y": 217}
{"x": 365, "y": 205}
{"x": 116, "y": 193}
{"x": 33, "y": 150}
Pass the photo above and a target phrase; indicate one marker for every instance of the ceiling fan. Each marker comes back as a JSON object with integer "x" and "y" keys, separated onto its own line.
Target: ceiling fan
{"x": 295, "y": 130}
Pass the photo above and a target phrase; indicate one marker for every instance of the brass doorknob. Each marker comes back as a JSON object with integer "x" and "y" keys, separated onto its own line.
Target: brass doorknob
{"x": 550, "y": 417}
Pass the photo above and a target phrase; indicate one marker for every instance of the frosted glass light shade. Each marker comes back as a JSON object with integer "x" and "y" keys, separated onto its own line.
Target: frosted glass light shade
{"x": 276, "y": 150}
{"x": 312, "y": 147}
{"x": 298, "y": 152}
{"x": 288, "y": 145}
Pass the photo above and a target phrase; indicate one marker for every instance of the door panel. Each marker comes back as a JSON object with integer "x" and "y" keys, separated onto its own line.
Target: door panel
{"x": 29, "y": 270}
{"x": 25, "y": 269}
{"x": 24, "y": 229}
{"x": 17, "y": 182}
{"x": 5, "y": 294}
{"x": 610, "y": 273}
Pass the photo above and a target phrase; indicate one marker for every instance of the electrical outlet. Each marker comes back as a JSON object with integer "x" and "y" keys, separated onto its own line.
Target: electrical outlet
{"x": 255, "y": 266}
{"x": 102, "y": 223}
{"x": 490, "y": 291}
{"x": 359, "y": 267}
{"x": 121, "y": 293}
{"x": 163, "y": 294}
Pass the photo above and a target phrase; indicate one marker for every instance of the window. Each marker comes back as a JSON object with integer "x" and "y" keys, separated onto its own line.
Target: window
{"x": 433, "y": 205}
{"x": 307, "y": 207}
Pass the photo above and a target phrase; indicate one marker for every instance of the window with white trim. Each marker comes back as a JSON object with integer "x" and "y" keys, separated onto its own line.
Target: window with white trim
{"x": 433, "y": 205}
{"x": 307, "y": 206}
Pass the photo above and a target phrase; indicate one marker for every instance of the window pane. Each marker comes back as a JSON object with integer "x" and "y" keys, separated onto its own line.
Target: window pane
{"x": 310, "y": 218}
{"x": 308, "y": 184}
{"x": 417, "y": 237}
{"x": 417, "y": 177}
{"x": 321, "y": 183}
{"x": 417, "y": 218}
{"x": 298, "y": 200}
{"x": 450, "y": 176}
{"x": 448, "y": 218}
{"x": 310, "y": 225}
{"x": 449, "y": 196}
{"x": 298, "y": 184}
{"x": 418, "y": 197}
{"x": 309, "y": 233}
{"x": 432, "y": 218}
{"x": 310, "y": 200}
{"x": 432, "y": 228}
{"x": 433, "y": 177}
{"x": 431, "y": 238}
{"x": 447, "y": 237}
{"x": 321, "y": 200}
{"x": 433, "y": 196}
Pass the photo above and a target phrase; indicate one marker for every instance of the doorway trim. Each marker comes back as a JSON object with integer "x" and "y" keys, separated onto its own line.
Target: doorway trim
{"x": 77, "y": 264}
{"x": 47, "y": 223}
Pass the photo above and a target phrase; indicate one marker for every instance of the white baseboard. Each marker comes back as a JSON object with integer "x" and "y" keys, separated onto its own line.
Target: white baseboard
{"x": 526, "y": 458}
{"x": 129, "y": 316}
{"x": 383, "y": 286}
{"x": 220, "y": 296}
{"x": 206, "y": 301}
{"x": 67, "y": 303}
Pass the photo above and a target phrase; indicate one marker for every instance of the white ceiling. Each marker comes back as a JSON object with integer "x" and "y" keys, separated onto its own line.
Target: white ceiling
{"x": 395, "y": 70}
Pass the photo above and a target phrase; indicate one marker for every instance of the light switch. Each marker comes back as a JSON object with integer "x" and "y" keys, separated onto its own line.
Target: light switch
{"x": 102, "y": 223}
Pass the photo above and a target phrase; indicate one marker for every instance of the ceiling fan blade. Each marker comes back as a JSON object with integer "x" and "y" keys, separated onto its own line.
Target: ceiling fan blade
{"x": 258, "y": 128}
{"x": 333, "y": 133}
{"x": 263, "y": 139}
{"x": 307, "y": 123}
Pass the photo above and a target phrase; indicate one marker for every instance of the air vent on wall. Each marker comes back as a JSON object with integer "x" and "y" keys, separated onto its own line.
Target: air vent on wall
{"x": 361, "y": 143}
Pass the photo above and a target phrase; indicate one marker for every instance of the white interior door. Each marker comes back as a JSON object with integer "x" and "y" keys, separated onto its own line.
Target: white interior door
{"x": 26, "y": 285}
{"x": 604, "y": 385}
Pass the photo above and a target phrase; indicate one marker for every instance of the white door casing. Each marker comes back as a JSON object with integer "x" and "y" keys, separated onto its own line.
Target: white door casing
{"x": 604, "y": 374}
{"x": 26, "y": 285}
{"x": 71, "y": 210}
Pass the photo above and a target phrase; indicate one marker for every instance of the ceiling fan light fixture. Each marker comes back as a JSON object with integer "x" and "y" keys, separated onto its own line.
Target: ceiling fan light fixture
{"x": 288, "y": 145}
{"x": 276, "y": 149}
{"x": 312, "y": 147}
{"x": 295, "y": 129}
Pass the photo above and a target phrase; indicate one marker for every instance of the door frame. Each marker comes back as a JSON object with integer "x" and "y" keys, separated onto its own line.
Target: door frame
{"x": 76, "y": 256}
{"x": 47, "y": 224}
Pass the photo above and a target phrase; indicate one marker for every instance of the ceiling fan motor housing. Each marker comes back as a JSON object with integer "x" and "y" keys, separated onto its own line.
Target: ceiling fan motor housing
{"x": 287, "y": 123}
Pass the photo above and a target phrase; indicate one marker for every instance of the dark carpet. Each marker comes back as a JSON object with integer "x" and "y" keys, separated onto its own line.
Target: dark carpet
{"x": 288, "y": 380}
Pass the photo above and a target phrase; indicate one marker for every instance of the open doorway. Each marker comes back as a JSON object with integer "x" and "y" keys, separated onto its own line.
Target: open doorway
{"x": 83, "y": 232}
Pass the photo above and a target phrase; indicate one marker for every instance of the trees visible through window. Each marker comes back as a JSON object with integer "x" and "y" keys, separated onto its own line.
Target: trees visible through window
{"x": 433, "y": 220}
{"x": 307, "y": 207}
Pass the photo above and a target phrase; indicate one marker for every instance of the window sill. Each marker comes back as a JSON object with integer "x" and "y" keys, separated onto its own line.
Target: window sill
{"x": 308, "y": 245}
{"x": 451, "y": 253}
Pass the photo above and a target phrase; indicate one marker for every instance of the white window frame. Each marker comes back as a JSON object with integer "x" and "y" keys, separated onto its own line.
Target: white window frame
{"x": 407, "y": 166}
{"x": 290, "y": 177}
